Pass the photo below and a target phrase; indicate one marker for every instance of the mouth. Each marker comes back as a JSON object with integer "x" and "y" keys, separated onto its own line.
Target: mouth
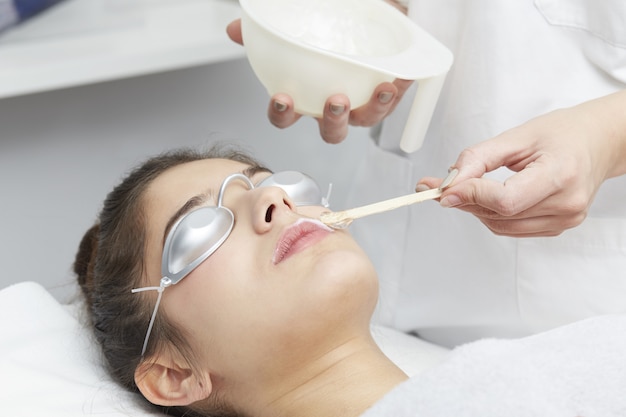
{"x": 299, "y": 236}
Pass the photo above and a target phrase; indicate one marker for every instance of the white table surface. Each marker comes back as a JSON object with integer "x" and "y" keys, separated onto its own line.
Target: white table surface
{"x": 79, "y": 42}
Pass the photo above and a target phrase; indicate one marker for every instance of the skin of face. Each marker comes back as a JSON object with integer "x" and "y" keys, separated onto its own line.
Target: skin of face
{"x": 252, "y": 322}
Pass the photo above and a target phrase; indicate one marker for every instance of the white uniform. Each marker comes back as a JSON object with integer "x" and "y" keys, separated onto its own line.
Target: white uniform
{"x": 444, "y": 274}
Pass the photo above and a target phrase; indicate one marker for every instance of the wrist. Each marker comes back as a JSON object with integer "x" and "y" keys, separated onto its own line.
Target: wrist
{"x": 615, "y": 120}
{"x": 605, "y": 121}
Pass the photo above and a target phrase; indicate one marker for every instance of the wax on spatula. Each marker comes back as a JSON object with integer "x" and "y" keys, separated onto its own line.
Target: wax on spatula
{"x": 343, "y": 219}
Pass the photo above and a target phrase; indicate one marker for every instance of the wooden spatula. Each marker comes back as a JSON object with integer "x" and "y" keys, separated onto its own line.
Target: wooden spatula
{"x": 343, "y": 219}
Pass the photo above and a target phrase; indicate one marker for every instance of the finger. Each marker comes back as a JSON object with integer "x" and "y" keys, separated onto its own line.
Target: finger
{"x": 402, "y": 86}
{"x": 333, "y": 124}
{"x": 524, "y": 224}
{"x": 505, "y": 199}
{"x": 380, "y": 104}
{"x": 428, "y": 183}
{"x": 570, "y": 214}
{"x": 234, "y": 31}
{"x": 535, "y": 183}
{"x": 281, "y": 112}
{"x": 543, "y": 226}
{"x": 547, "y": 218}
{"x": 492, "y": 198}
{"x": 521, "y": 228}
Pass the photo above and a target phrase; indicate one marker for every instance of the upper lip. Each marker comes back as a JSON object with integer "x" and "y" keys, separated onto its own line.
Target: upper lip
{"x": 289, "y": 238}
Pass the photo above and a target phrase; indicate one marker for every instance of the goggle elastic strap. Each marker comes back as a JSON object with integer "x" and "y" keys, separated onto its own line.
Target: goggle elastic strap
{"x": 165, "y": 282}
{"x": 326, "y": 200}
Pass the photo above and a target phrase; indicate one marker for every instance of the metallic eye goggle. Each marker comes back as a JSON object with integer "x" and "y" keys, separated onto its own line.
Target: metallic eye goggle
{"x": 199, "y": 233}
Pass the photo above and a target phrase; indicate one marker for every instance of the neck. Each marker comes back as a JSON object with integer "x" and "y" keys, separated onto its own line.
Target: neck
{"x": 343, "y": 382}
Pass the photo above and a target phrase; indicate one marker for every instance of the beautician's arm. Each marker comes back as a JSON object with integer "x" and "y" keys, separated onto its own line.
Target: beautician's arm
{"x": 560, "y": 159}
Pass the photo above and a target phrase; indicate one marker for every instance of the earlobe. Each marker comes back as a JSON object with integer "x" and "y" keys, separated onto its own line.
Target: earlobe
{"x": 165, "y": 382}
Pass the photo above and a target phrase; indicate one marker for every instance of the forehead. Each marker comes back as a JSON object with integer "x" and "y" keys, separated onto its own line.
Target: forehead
{"x": 207, "y": 173}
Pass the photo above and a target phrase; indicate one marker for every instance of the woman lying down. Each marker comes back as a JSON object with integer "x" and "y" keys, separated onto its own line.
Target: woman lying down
{"x": 272, "y": 318}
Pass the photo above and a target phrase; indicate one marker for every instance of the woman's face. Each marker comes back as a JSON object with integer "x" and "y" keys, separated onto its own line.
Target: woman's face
{"x": 270, "y": 292}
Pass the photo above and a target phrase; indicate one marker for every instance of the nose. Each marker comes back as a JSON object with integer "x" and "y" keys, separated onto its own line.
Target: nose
{"x": 269, "y": 204}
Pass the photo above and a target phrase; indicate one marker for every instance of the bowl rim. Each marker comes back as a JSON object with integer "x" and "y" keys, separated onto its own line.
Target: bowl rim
{"x": 407, "y": 64}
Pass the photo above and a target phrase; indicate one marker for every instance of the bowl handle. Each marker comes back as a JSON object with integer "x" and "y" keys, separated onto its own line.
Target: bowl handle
{"x": 428, "y": 90}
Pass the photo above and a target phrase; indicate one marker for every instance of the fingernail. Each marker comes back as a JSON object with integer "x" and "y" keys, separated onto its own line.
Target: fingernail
{"x": 452, "y": 173}
{"x": 337, "y": 109}
{"x": 421, "y": 187}
{"x": 279, "y": 106}
{"x": 385, "y": 97}
{"x": 450, "y": 201}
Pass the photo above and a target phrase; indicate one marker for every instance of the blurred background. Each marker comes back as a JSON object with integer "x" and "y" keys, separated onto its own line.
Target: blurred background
{"x": 90, "y": 88}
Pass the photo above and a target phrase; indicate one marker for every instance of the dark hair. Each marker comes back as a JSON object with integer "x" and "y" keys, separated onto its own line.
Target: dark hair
{"x": 110, "y": 262}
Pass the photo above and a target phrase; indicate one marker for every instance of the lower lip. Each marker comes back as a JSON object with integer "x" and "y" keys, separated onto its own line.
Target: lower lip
{"x": 305, "y": 241}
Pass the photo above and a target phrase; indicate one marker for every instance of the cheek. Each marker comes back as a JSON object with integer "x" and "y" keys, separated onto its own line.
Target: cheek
{"x": 220, "y": 292}
{"x": 205, "y": 299}
{"x": 216, "y": 283}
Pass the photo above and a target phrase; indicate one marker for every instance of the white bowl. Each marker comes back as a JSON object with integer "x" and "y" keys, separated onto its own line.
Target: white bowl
{"x": 312, "y": 49}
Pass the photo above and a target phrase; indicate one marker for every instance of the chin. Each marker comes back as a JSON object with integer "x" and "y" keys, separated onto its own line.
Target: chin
{"x": 346, "y": 278}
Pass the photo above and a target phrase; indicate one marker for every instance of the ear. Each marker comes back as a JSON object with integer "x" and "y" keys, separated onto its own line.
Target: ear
{"x": 166, "y": 381}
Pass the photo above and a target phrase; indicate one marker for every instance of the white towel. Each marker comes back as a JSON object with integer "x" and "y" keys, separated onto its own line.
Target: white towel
{"x": 49, "y": 366}
{"x": 578, "y": 370}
